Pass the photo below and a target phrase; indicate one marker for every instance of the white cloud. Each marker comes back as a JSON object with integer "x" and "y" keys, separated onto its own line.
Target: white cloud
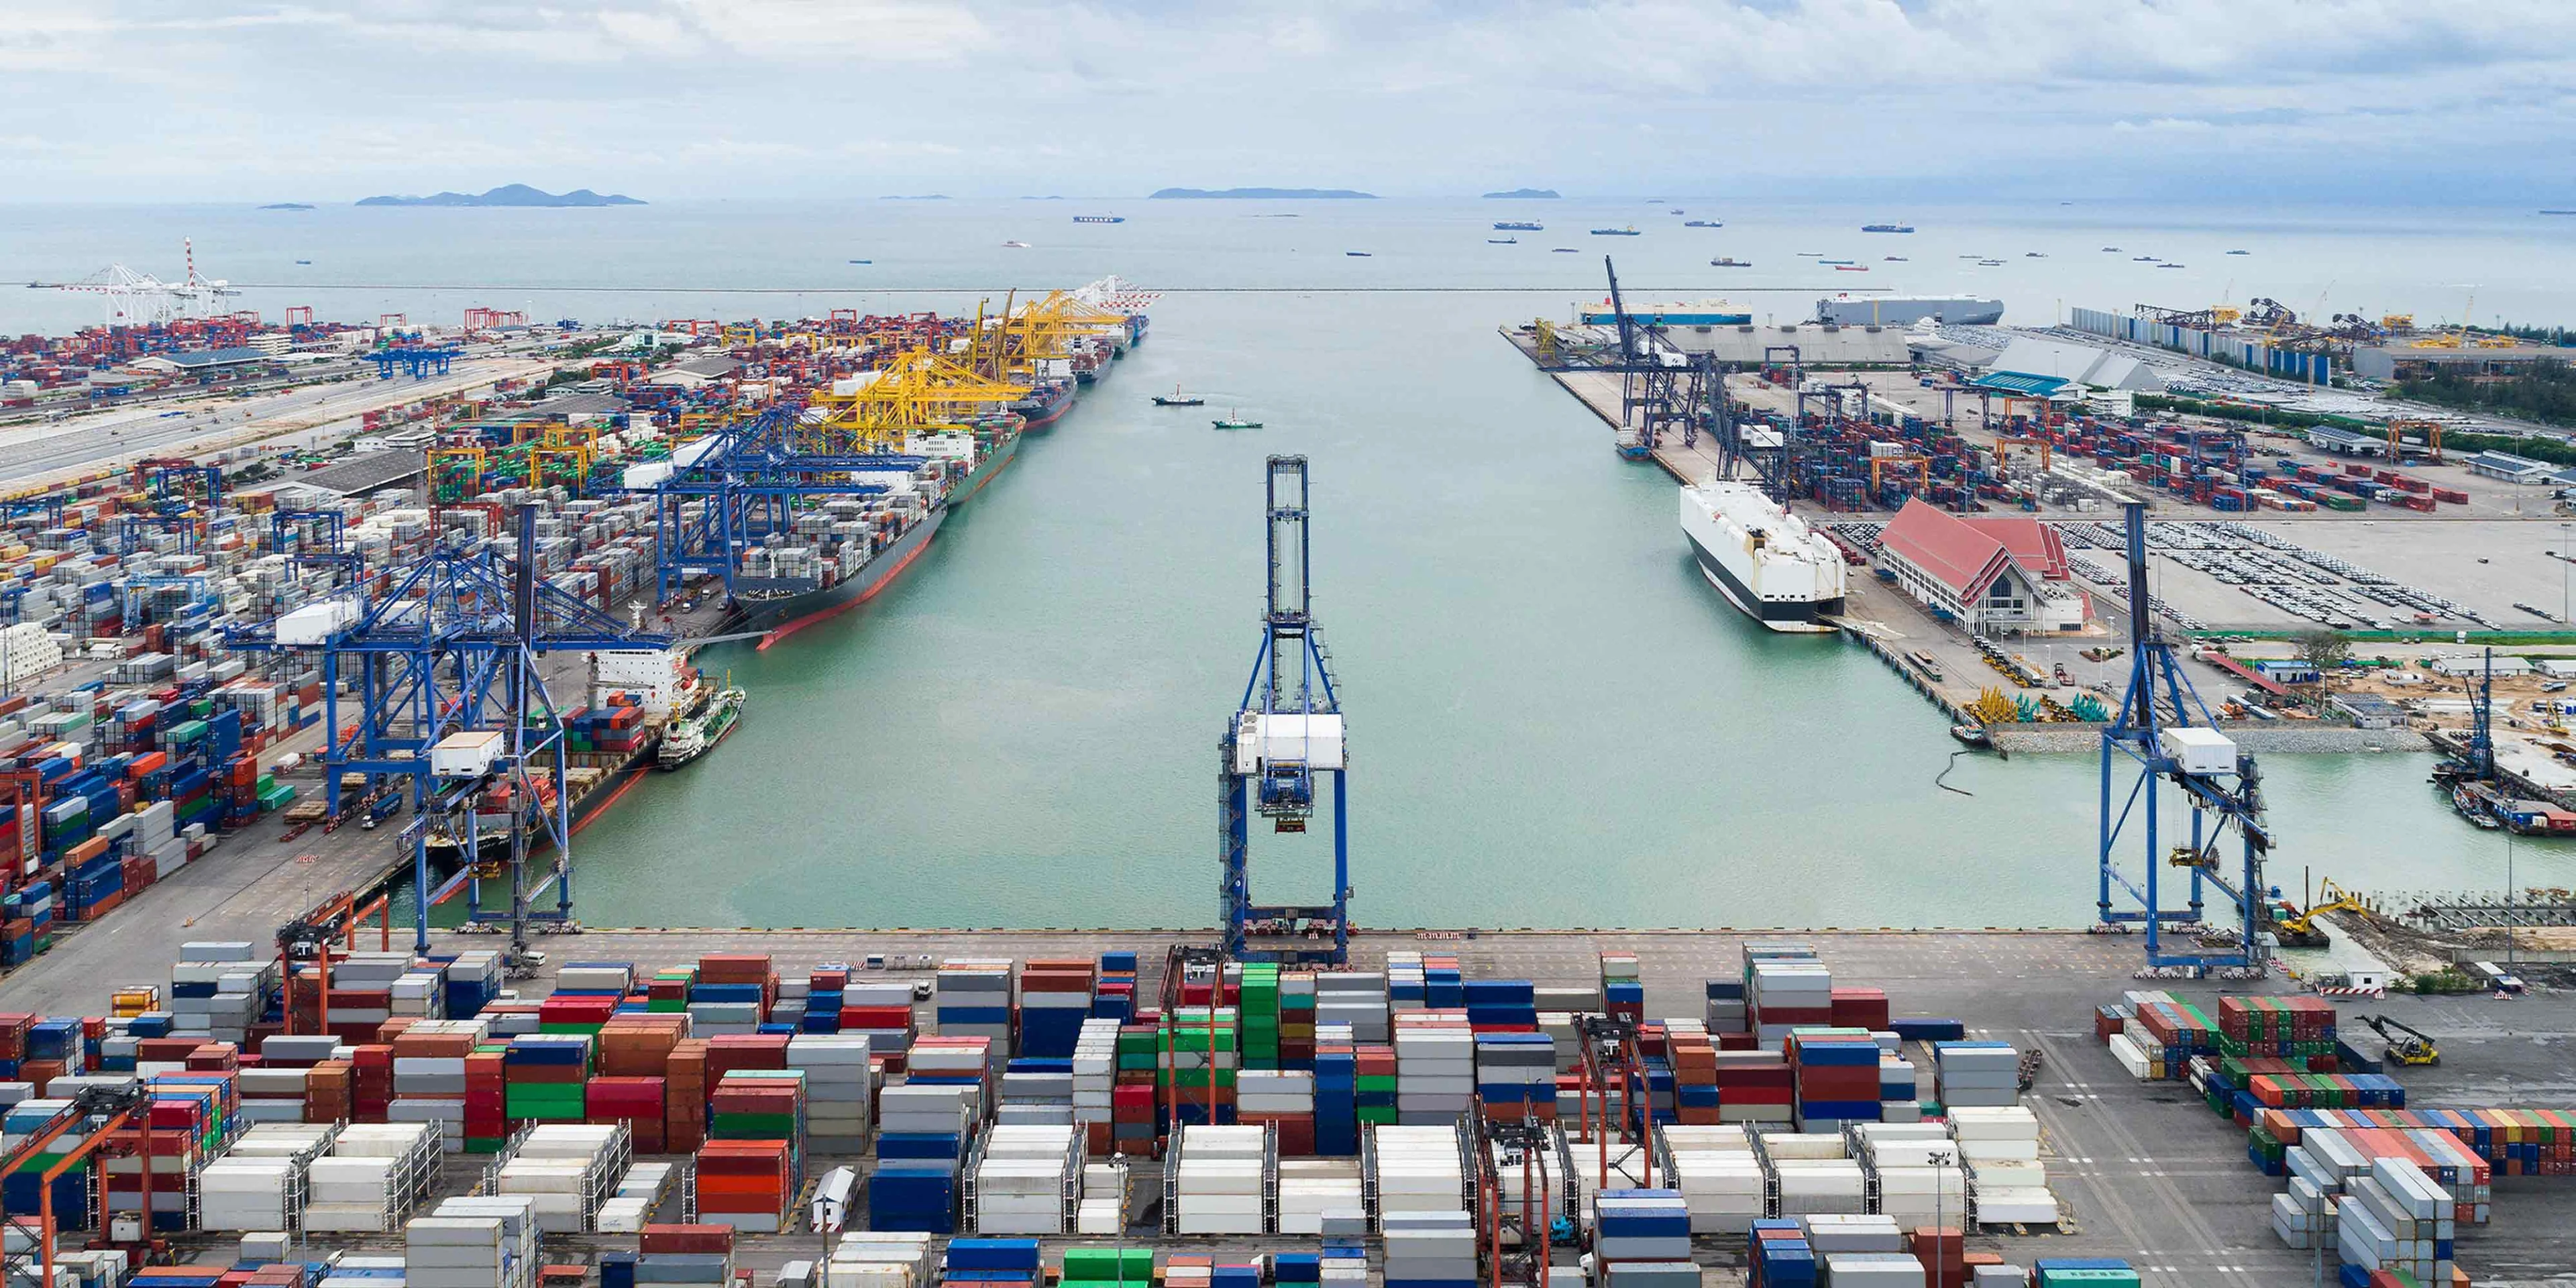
{"x": 736, "y": 97}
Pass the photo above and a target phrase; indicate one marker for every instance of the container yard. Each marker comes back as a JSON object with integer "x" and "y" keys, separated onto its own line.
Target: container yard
{"x": 1706, "y": 1107}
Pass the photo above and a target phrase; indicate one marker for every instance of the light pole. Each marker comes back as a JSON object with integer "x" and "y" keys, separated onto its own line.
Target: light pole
{"x": 2566, "y": 560}
{"x": 2509, "y": 935}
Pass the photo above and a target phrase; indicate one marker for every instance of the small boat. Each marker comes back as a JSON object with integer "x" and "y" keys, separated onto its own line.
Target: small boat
{"x": 1234, "y": 420}
{"x": 697, "y": 733}
{"x": 1972, "y": 257}
{"x": 1896, "y": 259}
{"x": 1809, "y": 254}
{"x": 1502, "y": 241}
{"x": 1357, "y": 254}
{"x": 1990, "y": 263}
{"x": 1729, "y": 261}
{"x": 1178, "y": 399}
{"x": 2142, "y": 259}
{"x": 1887, "y": 228}
{"x": 1015, "y": 245}
{"x": 863, "y": 261}
{"x": 1851, "y": 268}
{"x": 1835, "y": 261}
{"x": 1971, "y": 735}
{"x": 1703, "y": 223}
{"x": 307, "y": 261}
{"x": 2170, "y": 266}
{"x": 2032, "y": 254}
{"x": 1100, "y": 219}
{"x": 1629, "y": 231}
{"x": 2110, "y": 250}
{"x": 2240, "y": 252}
{"x": 1562, "y": 250}
{"x": 1681, "y": 212}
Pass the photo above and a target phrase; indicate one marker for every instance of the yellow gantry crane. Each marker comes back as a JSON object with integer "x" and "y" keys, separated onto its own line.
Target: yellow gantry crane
{"x": 919, "y": 390}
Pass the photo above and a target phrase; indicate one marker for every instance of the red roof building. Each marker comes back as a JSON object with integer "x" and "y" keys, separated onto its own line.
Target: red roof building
{"x": 1987, "y": 574}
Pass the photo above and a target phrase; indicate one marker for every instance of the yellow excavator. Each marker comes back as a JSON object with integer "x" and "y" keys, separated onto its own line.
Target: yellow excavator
{"x": 2407, "y": 1045}
{"x": 2301, "y": 930}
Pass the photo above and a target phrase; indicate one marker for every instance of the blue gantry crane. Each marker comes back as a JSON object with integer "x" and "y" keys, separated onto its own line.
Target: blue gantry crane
{"x": 1285, "y": 736}
{"x": 748, "y": 476}
{"x": 2164, "y": 737}
{"x": 417, "y": 361}
{"x": 452, "y": 711}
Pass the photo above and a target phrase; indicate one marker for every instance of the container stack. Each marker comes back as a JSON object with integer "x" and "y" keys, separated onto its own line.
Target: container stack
{"x": 826, "y": 991}
{"x": 467, "y": 1252}
{"x": 543, "y": 1076}
{"x": 1900, "y": 1094}
{"x": 730, "y": 993}
{"x": 566, "y": 1170}
{"x": 1337, "y": 1104}
{"x": 1282, "y": 1099}
{"x": 371, "y": 1178}
{"x": 1055, "y": 998}
{"x": 1433, "y": 1249}
{"x": 1786, "y": 987}
{"x": 1814, "y": 1173}
{"x": 1419, "y": 1169}
{"x": 1976, "y": 1075}
{"x": 1354, "y": 998}
{"x": 881, "y": 1012}
{"x": 1197, "y": 1059}
{"x": 992, "y": 1263}
{"x": 1756, "y": 1086}
{"x": 2161, "y": 1035}
{"x": 1718, "y": 1175}
{"x": 952, "y": 1060}
{"x": 1311, "y": 1187}
{"x": 747, "y": 1184}
{"x": 1435, "y": 1066}
{"x": 838, "y": 1090}
{"x": 1516, "y": 1075}
{"x": 1108, "y": 1268}
{"x": 1095, "y": 1084}
{"x": 699, "y": 1255}
{"x": 1102, "y": 1209}
{"x": 1113, "y": 997}
{"x": 1257, "y": 1003}
{"x": 684, "y": 1096}
{"x": 1917, "y": 1170}
{"x": 1646, "y": 1227}
{"x": 217, "y": 990}
{"x": 1405, "y": 988}
{"x": 639, "y": 1194}
{"x": 974, "y": 999}
{"x": 2286, "y": 1028}
{"x": 922, "y": 1134}
{"x": 1222, "y": 1179}
{"x": 1836, "y": 1072}
{"x": 429, "y": 1063}
{"x": 1024, "y": 1178}
{"x": 1036, "y": 1093}
{"x": 260, "y": 1183}
{"x": 2083, "y": 1272}
{"x": 1135, "y": 1112}
{"x": 1780, "y": 1255}
{"x": 880, "y": 1259}
{"x": 1622, "y": 992}
{"x": 2000, "y": 1148}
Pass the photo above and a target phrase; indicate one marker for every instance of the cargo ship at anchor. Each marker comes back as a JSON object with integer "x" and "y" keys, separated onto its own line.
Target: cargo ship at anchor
{"x": 1765, "y": 560}
{"x": 789, "y": 589}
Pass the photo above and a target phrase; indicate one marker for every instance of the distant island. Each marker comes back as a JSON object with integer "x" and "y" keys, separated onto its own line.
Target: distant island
{"x": 927, "y": 196}
{"x": 1049, "y": 198}
{"x": 1548, "y": 194}
{"x": 510, "y": 194}
{"x": 286, "y": 205}
{"x": 1297, "y": 194}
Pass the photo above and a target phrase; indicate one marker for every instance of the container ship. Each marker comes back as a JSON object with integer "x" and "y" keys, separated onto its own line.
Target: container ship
{"x": 1906, "y": 310}
{"x": 1100, "y": 219}
{"x": 865, "y": 544}
{"x": 1887, "y": 228}
{"x": 1765, "y": 560}
{"x": 1519, "y": 226}
{"x": 1046, "y": 404}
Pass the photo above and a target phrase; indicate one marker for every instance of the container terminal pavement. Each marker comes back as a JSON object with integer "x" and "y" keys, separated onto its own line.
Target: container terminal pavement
{"x": 667, "y": 1106}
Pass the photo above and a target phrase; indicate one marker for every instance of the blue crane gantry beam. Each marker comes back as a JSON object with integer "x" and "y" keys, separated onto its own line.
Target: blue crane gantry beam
{"x": 449, "y": 646}
{"x": 1286, "y": 733}
{"x": 744, "y": 485}
{"x": 2223, "y": 804}
{"x": 415, "y": 361}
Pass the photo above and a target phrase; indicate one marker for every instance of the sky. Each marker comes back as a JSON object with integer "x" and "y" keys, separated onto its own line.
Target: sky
{"x": 2391, "y": 101}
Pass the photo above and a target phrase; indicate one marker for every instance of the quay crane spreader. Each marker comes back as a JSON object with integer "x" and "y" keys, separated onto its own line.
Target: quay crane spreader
{"x": 2165, "y": 731}
{"x": 1286, "y": 734}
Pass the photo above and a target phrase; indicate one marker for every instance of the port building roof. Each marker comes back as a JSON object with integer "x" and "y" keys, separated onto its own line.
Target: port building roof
{"x": 581, "y": 405}
{"x": 2013, "y": 382}
{"x": 360, "y": 474}
{"x": 205, "y": 359}
{"x": 1967, "y": 554}
{"x": 2080, "y": 364}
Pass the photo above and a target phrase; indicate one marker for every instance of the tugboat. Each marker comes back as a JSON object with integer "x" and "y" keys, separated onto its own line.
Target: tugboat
{"x": 1178, "y": 399}
{"x": 1502, "y": 241}
{"x": 1234, "y": 420}
{"x": 697, "y": 733}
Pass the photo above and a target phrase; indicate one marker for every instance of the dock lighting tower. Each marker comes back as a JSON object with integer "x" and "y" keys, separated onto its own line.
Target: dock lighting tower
{"x": 2163, "y": 736}
{"x": 1285, "y": 736}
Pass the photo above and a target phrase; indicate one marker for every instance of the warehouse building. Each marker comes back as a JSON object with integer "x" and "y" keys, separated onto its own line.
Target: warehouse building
{"x": 1989, "y": 575}
{"x": 2408, "y": 362}
{"x": 2028, "y": 363}
{"x": 2509, "y": 468}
